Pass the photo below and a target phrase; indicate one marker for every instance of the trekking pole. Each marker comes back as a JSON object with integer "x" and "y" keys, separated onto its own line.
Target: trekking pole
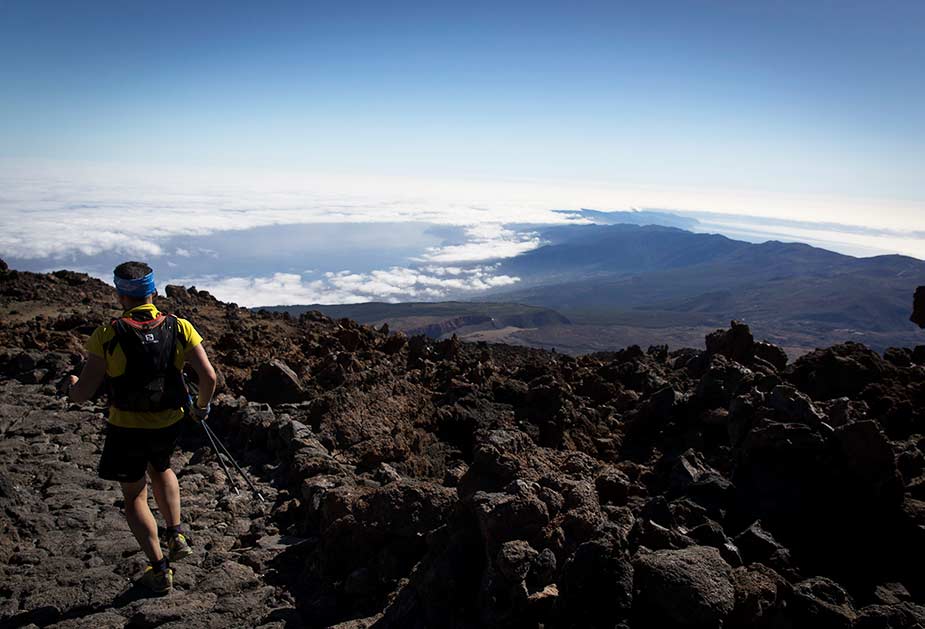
{"x": 218, "y": 455}
{"x": 243, "y": 474}
{"x": 217, "y": 443}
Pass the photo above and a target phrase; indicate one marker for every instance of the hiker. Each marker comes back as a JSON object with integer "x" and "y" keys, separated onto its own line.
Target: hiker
{"x": 141, "y": 356}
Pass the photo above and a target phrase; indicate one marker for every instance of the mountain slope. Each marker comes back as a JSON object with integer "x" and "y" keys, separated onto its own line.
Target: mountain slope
{"x": 437, "y": 319}
{"x": 652, "y": 276}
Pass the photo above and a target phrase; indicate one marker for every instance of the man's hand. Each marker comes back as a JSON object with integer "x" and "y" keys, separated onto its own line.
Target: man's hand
{"x": 198, "y": 413}
{"x": 65, "y": 384}
{"x": 91, "y": 377}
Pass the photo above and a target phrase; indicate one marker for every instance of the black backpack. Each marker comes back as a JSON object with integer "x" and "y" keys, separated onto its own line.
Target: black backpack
{"x": 151, "y": 381}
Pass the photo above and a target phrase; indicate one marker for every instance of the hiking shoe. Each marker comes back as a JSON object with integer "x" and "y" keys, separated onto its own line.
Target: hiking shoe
{"x": 158, "y": 582}
{"x": 178, "y": 548}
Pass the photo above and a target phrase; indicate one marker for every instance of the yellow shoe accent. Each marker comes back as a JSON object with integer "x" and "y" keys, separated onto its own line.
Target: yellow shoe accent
{"x": 178, "y": 548}
{"x": 159, "y": 582}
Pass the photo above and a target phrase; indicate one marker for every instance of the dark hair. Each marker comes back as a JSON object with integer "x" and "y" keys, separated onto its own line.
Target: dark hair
{"x": 132, "y": 270}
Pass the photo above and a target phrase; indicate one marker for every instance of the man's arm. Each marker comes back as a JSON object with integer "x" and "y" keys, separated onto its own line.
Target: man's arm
{"x": 198, "y": 360}
{"x": 91, "y": 377}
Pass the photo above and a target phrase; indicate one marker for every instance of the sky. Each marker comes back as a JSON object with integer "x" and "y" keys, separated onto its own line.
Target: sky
{"x": 239, "y": 115}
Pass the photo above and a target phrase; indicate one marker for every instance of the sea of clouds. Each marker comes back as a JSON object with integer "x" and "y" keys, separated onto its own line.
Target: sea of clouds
{"x": 85, "y": 217}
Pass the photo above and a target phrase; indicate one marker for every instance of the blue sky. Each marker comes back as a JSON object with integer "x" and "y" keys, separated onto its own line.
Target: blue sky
{"x": 798, "y": 97}
{"x": 475, "y": 115}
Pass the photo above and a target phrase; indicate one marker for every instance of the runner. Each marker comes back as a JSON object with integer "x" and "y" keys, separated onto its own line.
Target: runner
{"x": 141, "y": 356}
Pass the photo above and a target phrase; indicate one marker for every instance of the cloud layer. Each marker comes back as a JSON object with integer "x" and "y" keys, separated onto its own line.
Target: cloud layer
{"x": 395, "y": 284}
{"x": 52, "y": 210}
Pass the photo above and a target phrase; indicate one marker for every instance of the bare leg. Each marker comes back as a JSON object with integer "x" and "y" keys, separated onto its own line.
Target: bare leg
{"x": 166, "y": 494}
{"x": 140, "y": 519}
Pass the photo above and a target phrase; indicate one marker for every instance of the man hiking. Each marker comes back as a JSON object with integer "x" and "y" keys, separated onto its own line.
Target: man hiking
{"x": 141, "y": 356}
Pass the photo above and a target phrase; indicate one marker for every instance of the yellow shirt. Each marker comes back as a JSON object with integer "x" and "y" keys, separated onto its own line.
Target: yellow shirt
{"x": 187, "y": 339}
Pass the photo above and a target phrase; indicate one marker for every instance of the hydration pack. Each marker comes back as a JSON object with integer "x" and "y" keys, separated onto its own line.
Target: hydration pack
{"x": 151, "y": 381}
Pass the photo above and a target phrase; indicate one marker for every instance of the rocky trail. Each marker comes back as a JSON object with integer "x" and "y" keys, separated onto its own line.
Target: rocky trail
{"x": 70, "y": 560}
{"x": 419, "y": 484}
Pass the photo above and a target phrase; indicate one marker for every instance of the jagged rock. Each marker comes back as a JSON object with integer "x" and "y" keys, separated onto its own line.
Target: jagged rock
{"x": 178, "y": 293}
{"x": 613, "y": 486}
{"x": 515, "y": 560}
{"x": 275, "y": 382}
{"x": 759, "y": 546}
{"x": 918, "y": 311}
{"x": 472, "y": 485}
{"x": 691, "y": 587}
{"x": 736, "y": 343}
{"x": 596, "y": 587}
{"x": 843, "y": 410}
{"x": 760, "y": 597}
{"x": 897, "y": 616}
{"x": 898, "y": 356}
{"x": 503, "y": 516}
{"x": 723, "y": 381}
{"x": 918, "y": 355}
{"x": 791, "y": 405}
{"x": 3, "y": 265}
{"x": 841, "y": 370}
{"x": 891, "y": 594}
{"x": 394, "y": 343}
{"x": 820, "y": 602}
{"x": 771, "y": 354}
{"x": 688, "y": 469}
{"x": 870, "y": 462}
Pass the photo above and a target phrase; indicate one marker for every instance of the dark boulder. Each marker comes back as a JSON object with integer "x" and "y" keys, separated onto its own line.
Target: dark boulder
{"x": 758, "y": 546}
{"x": 771, "y": 354}
{"x": 840, "y": 370}
{"x": 691, "y": 587}
{"x": 822, "y": 604}
{"x": 791, "y": 405}
{"x": 394, "y": 343}
{"x": 760, "y": 597}
{"x": 897, "y": 616}
{"x": 736, "y": 343}
{"x": 596, "y": 587}
{"x": 918, "y": 308}
{"x": 178, "y": 293}
{"x": 274, "y": 382}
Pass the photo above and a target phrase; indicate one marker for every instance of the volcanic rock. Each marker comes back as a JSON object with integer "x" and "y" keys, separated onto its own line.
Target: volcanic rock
{"x": 433, "y": 483}
{"x": 275, "y": 382}
{"x": 596, "y": 587}
{"x": 736, "y": 343}
{"x": 820, "y": 602}
{"x": 691, "y": 587}
{"x": 918, "y": 311}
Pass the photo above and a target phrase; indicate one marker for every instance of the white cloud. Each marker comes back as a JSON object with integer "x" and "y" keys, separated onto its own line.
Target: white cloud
{"x": 344, "y": 287}
{"x": 487, "y": 241}
{"x": 53, "y": 210}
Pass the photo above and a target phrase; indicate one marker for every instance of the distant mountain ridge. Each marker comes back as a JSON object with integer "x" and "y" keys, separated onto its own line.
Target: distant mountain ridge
{"x": 640, "y": 275}
{"x": 595, "y": 287}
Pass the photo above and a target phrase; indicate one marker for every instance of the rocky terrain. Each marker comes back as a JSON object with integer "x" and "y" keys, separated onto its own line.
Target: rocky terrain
{"x": 413, "y": 483}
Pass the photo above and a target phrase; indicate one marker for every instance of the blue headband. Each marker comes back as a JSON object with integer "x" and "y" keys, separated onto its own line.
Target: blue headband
{"x": 142, "y": 287}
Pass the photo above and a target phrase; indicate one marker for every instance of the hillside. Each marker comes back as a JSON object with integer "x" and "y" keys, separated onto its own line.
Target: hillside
{"x": 414, "y": 483}
{"x": 623, "y": 278}
{"x": 438, "y": 319}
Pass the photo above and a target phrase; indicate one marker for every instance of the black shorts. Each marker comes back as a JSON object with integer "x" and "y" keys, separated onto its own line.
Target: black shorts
{"x": 128, "y": 451}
